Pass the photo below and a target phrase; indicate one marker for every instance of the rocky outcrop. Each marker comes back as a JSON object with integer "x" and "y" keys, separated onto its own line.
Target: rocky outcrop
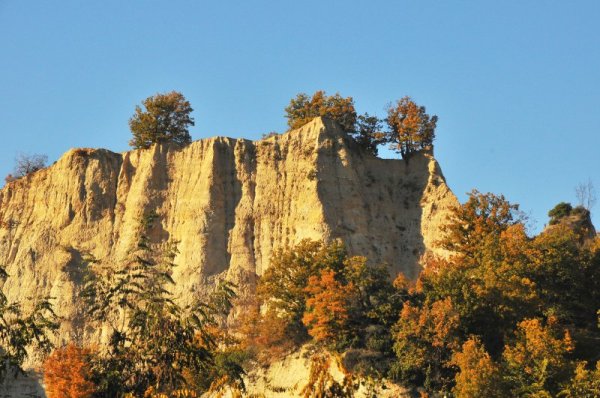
{"x": 228, "y": 203}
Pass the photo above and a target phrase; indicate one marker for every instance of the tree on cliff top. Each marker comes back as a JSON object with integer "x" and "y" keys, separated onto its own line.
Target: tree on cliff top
{"x": 303, "y": 109}
{"x": 166, "y": 119}
{"x": 411, "y": 128}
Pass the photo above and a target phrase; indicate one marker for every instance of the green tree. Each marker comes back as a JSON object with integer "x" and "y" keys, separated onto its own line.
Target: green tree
{"x": 21, "y": 330}
{"x": 165, "y": 119}
{"x": 368, "y": 133}
{"x": 302, "y": 109}
{"x": 155, "y": 342}
{"x": 411, "y": 128}
{"x": 559, "y": 211}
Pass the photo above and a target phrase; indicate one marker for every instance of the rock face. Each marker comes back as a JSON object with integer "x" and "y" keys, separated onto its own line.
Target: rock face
{"x": 228, "y": 203}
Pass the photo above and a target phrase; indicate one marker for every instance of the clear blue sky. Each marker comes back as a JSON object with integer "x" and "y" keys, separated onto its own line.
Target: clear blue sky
{"x": 516, "y": 84}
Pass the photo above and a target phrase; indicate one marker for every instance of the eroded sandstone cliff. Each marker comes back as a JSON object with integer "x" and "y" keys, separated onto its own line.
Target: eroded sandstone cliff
{"x": 228, "y": 203}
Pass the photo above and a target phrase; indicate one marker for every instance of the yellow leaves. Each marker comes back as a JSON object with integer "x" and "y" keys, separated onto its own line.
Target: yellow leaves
{"x": 479, "y": 376}
{"x": 222, "y": 385}
{"x": 585, "y": 383}
{"x": 435, "y": 323}
{"x": 445, "y": 320}
{"x": 402, "y": 282}
{"x": 321, "y": 383}
{"x": 537, "y": 350}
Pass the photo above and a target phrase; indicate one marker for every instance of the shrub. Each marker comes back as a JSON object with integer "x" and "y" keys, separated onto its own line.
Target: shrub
{"x": 26, "y": 164}
{"x": 67, "y": 373}
{"x": 559, "y": 211}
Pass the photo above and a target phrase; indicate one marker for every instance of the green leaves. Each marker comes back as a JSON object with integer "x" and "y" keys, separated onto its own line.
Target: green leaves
{"x": 155, "y": 342}
{"x": 166, "y": 119}
{"x": 20, "y": 330}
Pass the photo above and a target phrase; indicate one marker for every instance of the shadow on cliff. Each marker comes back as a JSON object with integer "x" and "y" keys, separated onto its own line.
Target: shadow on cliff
{"x": 373, "y": 205}
{"x": 22, "y": 386}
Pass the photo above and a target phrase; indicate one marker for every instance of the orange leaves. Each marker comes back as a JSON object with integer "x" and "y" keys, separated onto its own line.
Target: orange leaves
{"x": 411, "y": 127}
{"x": 479, "y": 376}
{"x": 327, "y": 306}
{"x": 537, "y": 346}
{"x": 67, "y": 372}
{"x": 435, "y": 323}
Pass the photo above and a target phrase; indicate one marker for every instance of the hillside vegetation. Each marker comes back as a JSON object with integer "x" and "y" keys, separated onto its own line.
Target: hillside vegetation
{"x": 185, "y": 269}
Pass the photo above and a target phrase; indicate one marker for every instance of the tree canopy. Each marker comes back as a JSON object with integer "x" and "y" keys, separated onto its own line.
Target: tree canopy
{"x": 515, "y": 315}
{"x": 166, "y": 118}
{"x": 302, "y": 109}
{"x": 410, "y": 127}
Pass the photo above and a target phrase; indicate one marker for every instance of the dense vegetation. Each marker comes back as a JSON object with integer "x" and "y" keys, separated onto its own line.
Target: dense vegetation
{"x": 156, "y": 347}
{"x": 505, "y": 315}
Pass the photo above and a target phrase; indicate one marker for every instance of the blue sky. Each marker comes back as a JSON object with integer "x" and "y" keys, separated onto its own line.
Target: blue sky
{"x": 516, "y": 84}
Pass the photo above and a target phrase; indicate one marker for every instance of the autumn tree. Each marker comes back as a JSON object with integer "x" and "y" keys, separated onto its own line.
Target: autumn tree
{"x": 479, "y": 221}
{"x": 283, "y": 286}
{"x": 481, "y": 290}
{"x": 425, "y": 337}
{"x": 513, "y": 295}
{"x": 67, "y": 373}
{"x": 165, "y": 118}
{"x": 537, "y": 363}
{"x": 410, "y": 127}
{"x": 302, "y": 109}
{"x": 479, "y": 375}
{"x": 304, "y": 282}
{"x": 585, "y": 383}
{"x": 327, "y": 307}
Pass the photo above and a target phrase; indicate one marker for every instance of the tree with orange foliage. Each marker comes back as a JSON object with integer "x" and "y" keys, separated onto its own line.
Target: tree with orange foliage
{"x": 479, "y": 222}
{"x": 411, "y": 128}
{"x": 424, "y": 339}
{"x": 67, "y": 373}
{"x": 328, "y": 307}
{"x": 479, "y": 376}
{"x": 536, "y": 363}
